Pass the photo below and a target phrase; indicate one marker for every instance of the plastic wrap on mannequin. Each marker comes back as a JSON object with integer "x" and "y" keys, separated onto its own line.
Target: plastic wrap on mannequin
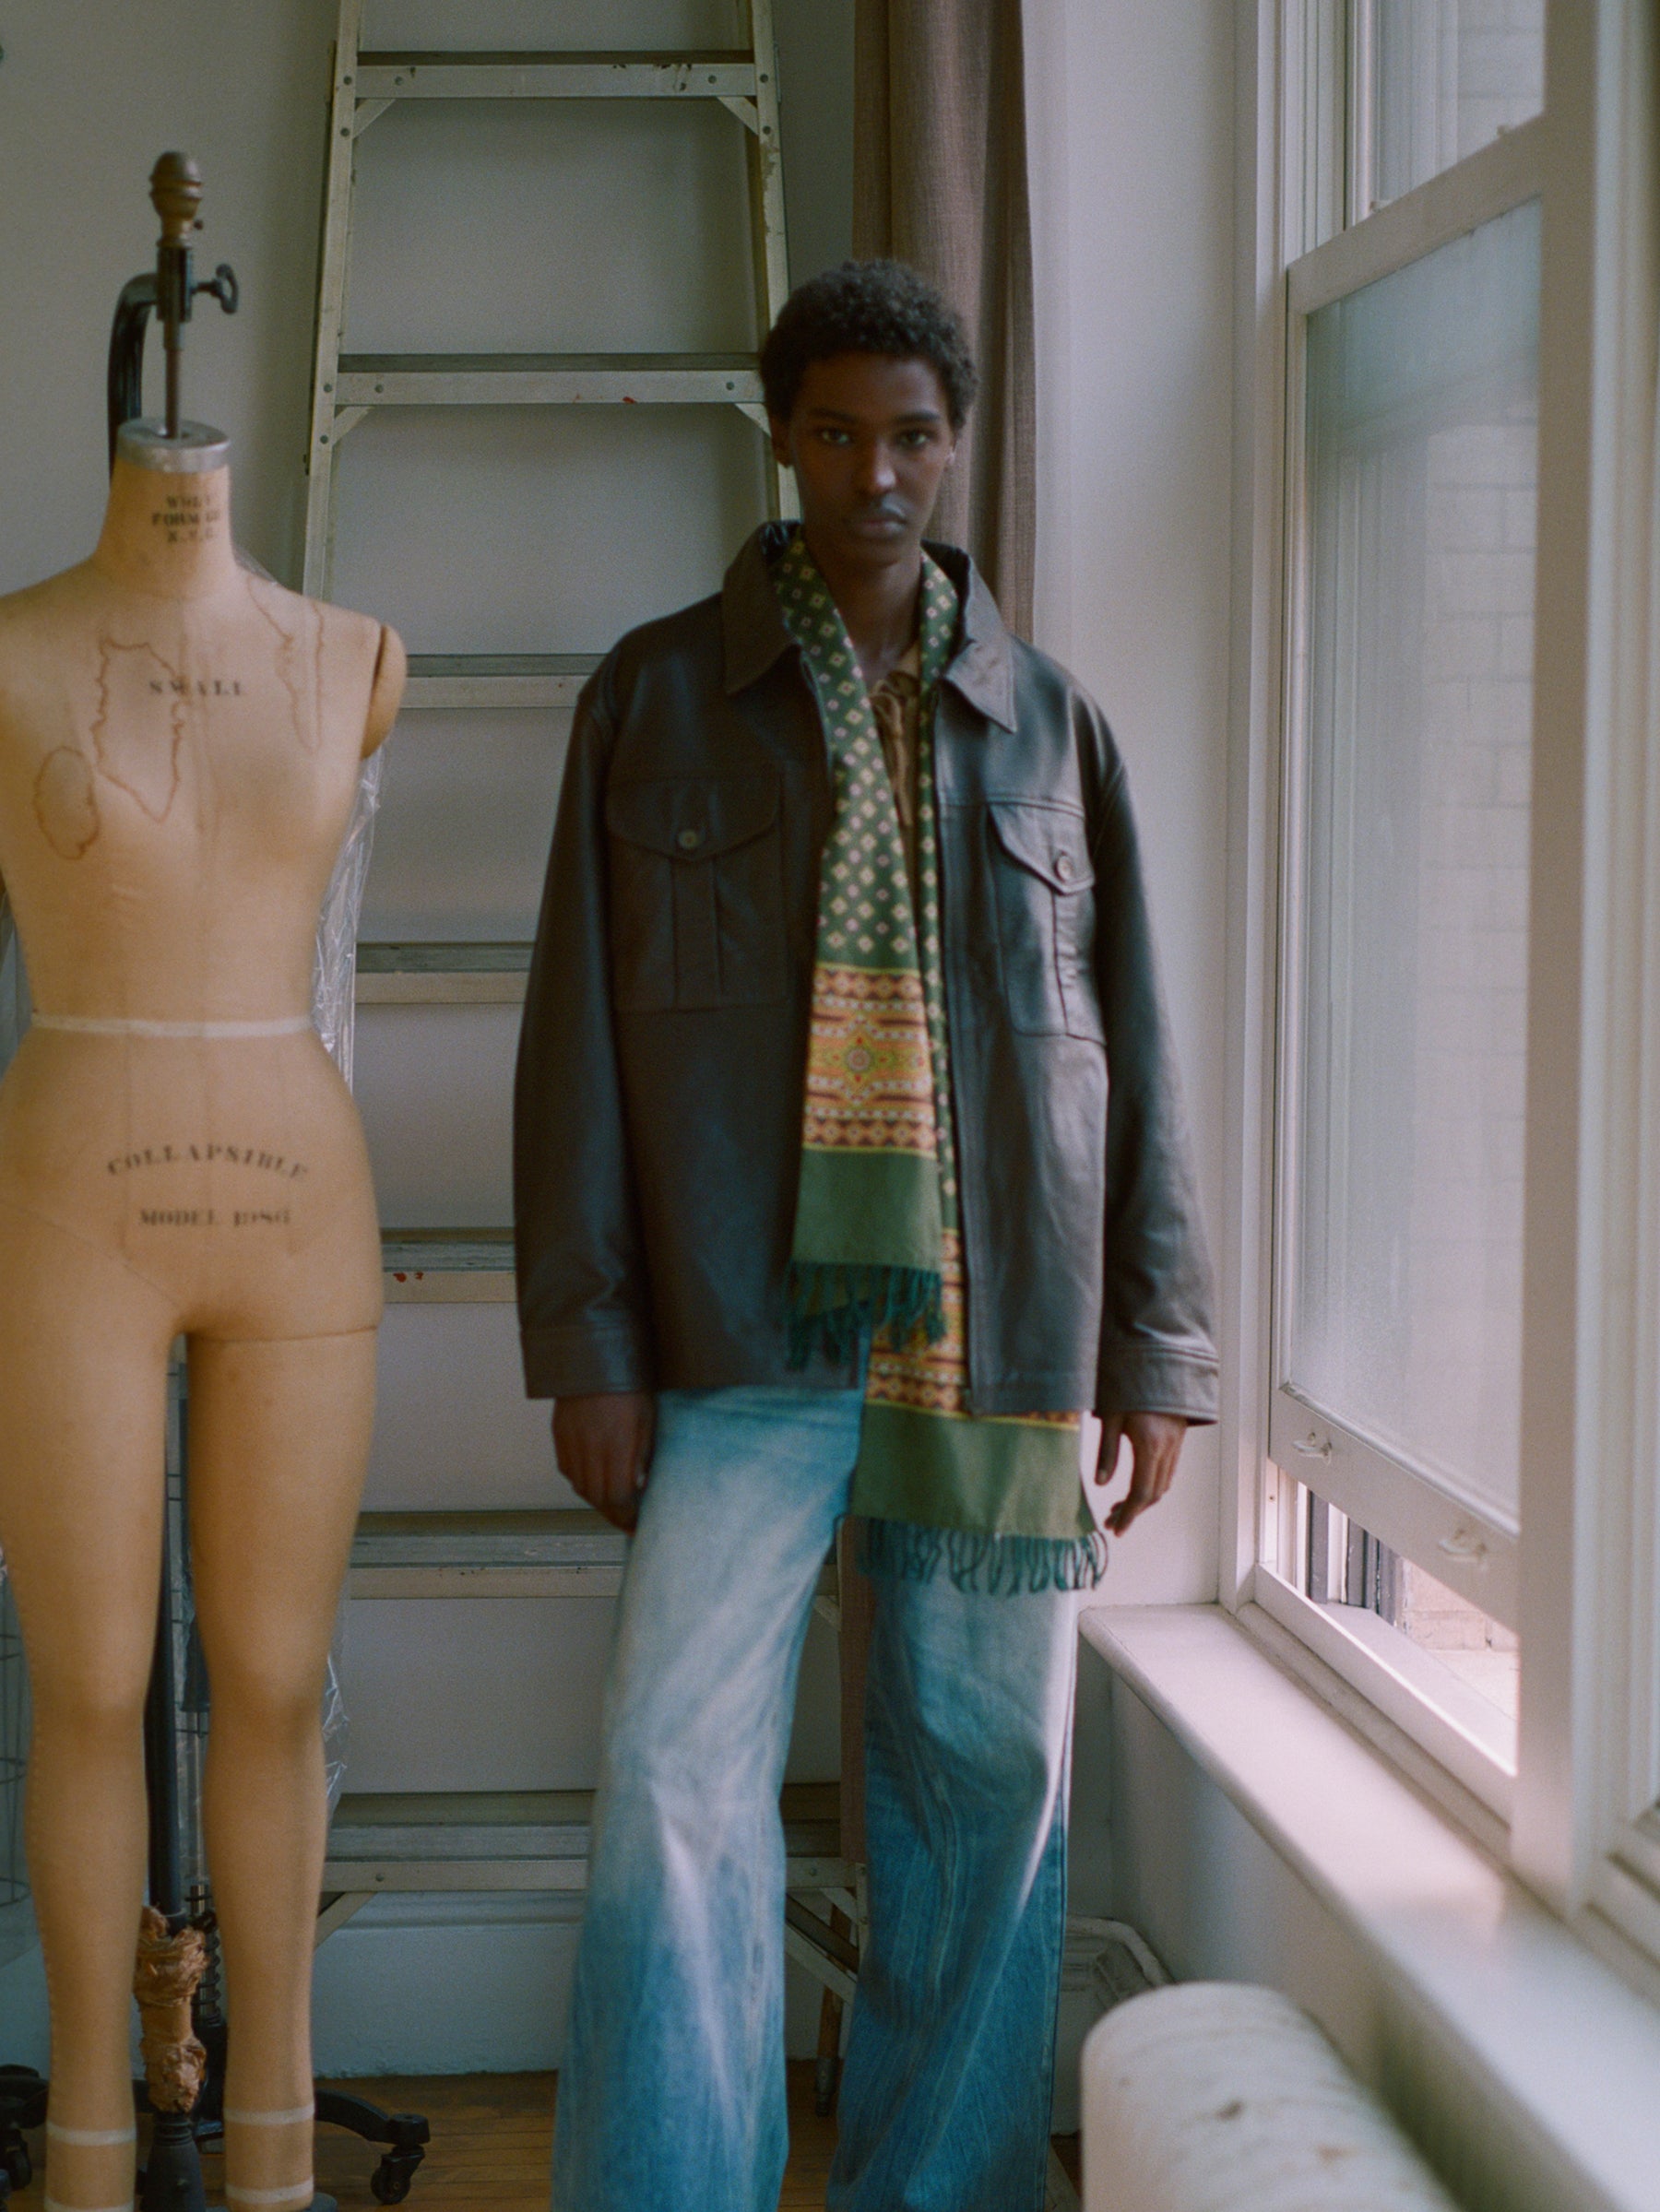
{"x": 180, "y": 749}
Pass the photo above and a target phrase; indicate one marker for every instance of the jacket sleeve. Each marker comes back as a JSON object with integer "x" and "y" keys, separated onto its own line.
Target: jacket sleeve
{"x": 1157, "y": 1347}
{"x": 582, "y": 1287}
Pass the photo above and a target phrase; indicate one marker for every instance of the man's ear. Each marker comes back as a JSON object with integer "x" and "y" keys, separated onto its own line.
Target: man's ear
{"x": 781, "y": 440}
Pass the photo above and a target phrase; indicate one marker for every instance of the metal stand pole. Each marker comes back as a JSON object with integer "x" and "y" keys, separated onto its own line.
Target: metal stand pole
{"x": 172, "y": 2175}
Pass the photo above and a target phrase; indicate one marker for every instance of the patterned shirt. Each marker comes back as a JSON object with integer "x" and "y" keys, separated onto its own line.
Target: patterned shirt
{"x": 897, "y": 702}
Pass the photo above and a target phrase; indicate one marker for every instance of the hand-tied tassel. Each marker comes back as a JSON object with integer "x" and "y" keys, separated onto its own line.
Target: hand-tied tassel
{"x": 999, "y": 1565}
{"x": 833, "y": 1306}
{"x": 169, "y": 1968}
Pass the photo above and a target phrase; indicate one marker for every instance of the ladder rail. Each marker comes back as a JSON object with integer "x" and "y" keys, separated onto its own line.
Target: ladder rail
{"x": 768, "y": 238}
{"x": 331, "y": 303}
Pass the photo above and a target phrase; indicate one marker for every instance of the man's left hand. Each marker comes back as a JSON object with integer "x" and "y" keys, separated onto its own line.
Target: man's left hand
{"x": 1155, "y": 1445}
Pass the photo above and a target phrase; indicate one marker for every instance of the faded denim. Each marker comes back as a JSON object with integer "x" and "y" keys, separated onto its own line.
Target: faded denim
{"x": 671, "y": 2098}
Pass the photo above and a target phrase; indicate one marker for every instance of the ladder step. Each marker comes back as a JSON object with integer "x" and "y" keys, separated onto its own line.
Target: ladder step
{"x": 469, "y": 1267}
{"x": 449, "y": 681}
{"x": 563, "y": 1552}
{"x": 555, "y": 76}
{"x": 547, "y": 379}
{"x": 571, "y": 1553}
{"x": 442, "y": 975}
{"x": 529, "y": 1840}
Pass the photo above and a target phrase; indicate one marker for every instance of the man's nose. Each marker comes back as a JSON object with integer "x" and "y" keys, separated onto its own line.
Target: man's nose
{"x": 876, "y": 472}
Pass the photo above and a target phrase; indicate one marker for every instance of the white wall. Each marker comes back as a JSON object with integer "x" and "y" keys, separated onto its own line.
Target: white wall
{"x": 90, "y": 95}
{"x": 1131, "y": 133}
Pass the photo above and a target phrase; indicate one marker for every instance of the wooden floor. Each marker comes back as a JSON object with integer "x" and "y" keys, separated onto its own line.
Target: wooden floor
{"x": 491, "y": 2141}
{"x": 492, "y": 2137}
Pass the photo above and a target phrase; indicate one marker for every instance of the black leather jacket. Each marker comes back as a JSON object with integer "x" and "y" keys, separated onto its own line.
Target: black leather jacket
{"x": 658, "y": 1112}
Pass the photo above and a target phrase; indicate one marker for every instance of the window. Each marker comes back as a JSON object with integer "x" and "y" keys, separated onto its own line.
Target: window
{"x": 1410, "y": 1634}
{"x": 1440, "y": 79}
{"x": 1446, "y": 1032}
{"x": 1404, "y": 1317}
{"x": 1404, "y": 935}
{"x": 1406, "y": 913}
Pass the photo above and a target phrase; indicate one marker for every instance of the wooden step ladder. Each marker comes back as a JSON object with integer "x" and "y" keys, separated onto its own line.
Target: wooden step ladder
{"x": 540, "y": 1841}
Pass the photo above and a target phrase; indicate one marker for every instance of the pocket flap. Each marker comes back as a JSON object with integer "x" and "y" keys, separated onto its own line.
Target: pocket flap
{"x": 692, "y": 817}
{"x": 1052, "y": 842}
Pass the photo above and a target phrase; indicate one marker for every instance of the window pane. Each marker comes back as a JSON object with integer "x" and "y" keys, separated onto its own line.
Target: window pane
{"x": 1406, "y": 1312}
{"x": 1459, "y": 1653}
{"x": 1447, "y": 77}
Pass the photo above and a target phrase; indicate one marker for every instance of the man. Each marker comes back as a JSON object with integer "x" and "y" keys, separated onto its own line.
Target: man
{"x": 825, "y": 1205}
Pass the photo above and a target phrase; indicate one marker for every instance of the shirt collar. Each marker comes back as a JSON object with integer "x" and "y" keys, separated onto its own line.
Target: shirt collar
{"x": 983, "y": 672}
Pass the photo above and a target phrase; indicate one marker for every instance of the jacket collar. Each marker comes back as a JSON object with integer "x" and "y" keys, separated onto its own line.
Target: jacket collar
{"x": 754, "y": 636}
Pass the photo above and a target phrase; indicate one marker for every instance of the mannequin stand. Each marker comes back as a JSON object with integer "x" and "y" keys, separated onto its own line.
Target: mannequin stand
{"x": 22, "y": 2104}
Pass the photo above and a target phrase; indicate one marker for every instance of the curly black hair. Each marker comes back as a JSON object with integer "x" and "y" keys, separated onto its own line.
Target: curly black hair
{"x": 867, "y": 307}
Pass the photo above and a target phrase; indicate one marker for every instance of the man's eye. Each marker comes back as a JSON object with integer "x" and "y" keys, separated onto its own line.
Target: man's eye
{"x": 835, "y": 437}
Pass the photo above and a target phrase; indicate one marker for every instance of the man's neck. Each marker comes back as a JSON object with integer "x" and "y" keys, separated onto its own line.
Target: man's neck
{"x": 878, "y": 603}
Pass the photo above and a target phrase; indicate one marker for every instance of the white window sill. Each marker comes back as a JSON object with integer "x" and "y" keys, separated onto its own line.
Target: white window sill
{"x": 1555, "y": 2040}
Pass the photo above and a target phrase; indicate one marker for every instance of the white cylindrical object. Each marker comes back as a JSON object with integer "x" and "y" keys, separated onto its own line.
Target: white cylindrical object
{"x": 1215, "y": 2097}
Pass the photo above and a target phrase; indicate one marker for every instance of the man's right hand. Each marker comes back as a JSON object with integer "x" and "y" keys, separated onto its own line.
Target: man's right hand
{"x": 604, "y": 1445}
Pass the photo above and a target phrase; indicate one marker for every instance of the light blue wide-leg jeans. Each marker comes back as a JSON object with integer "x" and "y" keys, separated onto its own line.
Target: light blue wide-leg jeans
{"x": 671, "y": 2094}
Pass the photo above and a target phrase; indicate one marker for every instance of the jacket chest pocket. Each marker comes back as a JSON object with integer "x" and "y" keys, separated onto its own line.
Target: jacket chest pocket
{"x": 1044, "y": 886}
{"x": 697, "y": 892}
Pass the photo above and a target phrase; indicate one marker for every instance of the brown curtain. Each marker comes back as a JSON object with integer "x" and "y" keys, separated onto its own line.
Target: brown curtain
{"x": 939, "y": 180}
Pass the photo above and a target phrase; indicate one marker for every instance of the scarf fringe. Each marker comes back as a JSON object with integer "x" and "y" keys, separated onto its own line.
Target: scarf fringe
{"x": 1000, "y": 1566}
{"x": 833, "y": 1306}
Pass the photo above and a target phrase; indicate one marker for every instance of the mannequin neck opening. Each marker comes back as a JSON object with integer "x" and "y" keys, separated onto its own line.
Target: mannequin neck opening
{"x": 167, "y": 528}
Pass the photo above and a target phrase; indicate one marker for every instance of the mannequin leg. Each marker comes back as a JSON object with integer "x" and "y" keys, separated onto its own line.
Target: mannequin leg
{"x": 278, "y": 1439}
{"x": 83, "y": 1381}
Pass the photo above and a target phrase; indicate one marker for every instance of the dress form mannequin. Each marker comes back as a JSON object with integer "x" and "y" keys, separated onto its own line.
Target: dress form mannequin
{"x": 180, "y": 744}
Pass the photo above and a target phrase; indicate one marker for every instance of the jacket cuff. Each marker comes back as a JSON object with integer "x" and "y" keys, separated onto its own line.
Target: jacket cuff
{"x": 574, "y": 1360}
{"x": 1135, "y": 1378}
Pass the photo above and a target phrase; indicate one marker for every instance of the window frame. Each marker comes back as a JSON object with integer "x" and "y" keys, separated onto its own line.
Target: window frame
{"x": 1585, "y": 1836}
{"x": 1582, "y": 1812}
{"x": 1462, "y": 1542}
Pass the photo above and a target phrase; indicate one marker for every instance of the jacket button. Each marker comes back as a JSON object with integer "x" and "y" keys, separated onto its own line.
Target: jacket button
{"x": 1063, "y": 867}
{"x": 689, "y": 840}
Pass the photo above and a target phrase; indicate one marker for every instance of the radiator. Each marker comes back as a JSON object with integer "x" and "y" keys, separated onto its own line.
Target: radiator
{"x": 1215, "y": 2097}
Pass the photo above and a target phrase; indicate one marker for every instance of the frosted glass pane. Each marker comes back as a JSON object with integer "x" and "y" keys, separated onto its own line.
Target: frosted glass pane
{"x": 1449, "y": 75}
{"x": 1405, "y": 1314}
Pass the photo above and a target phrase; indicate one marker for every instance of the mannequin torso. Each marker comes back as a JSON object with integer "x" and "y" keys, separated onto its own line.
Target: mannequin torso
{"x": 180, "y": 744}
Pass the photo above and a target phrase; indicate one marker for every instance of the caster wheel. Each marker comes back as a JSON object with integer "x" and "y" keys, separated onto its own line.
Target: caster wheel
{"x": 387, "y": 2186}
{"x": 19, "y": 2166}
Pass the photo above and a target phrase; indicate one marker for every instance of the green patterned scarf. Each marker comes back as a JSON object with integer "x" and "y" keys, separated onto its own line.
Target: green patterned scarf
{"x": 878, "y": 1249}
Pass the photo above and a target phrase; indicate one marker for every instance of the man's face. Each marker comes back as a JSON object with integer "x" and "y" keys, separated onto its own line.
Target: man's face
{"x": 869, "y": 440}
